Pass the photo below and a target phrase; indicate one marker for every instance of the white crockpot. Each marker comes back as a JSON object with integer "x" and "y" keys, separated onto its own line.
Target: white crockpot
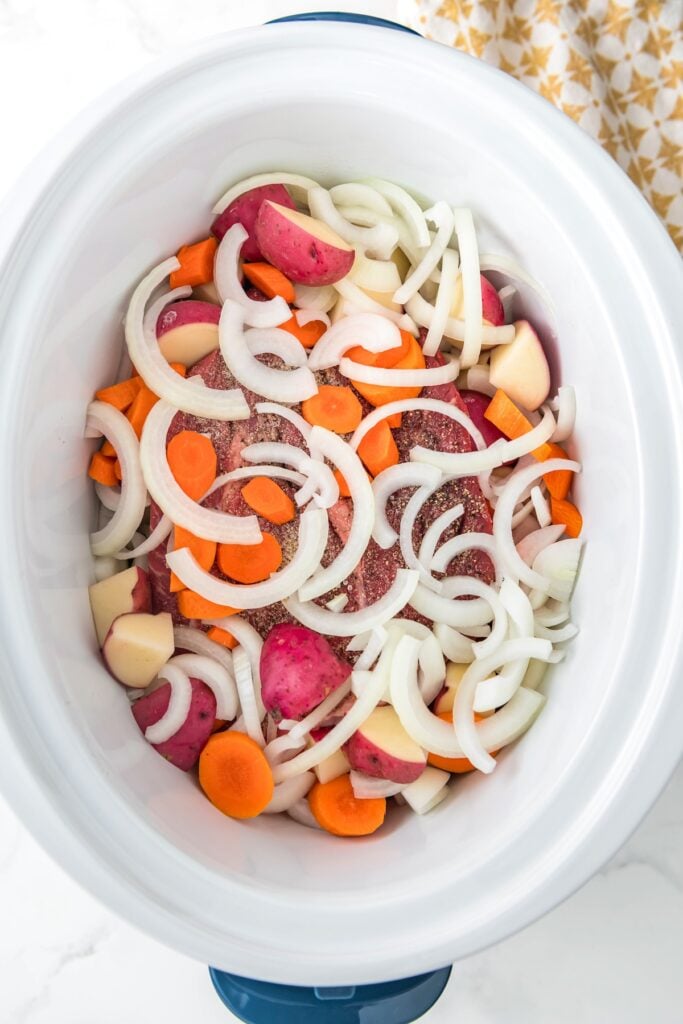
{"x": 124, "y": 187}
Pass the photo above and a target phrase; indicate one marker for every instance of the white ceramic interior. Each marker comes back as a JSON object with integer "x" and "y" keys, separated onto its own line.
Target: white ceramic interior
{"x": 130, "y": 182}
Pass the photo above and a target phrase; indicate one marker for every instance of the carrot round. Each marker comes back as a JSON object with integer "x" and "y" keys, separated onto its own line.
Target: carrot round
{"x": 387, "y": 359}
{"x": 101, "y": 469}
{"x": 192, "y": 459}
{"x": 250, "y": 563}
{"x": 337, "y": 810}
{"x": 203, "y": 550}
{"x": 414, "y": 359}
{"x": 194, "y": 606}
{"x": 221, "y": 636}
{"x": 269, "y": 500}
{"x": 120, "y": 395}
{"x": 309, "y": 334}
{"x": 269, "y": 280}
{"x": 335, "y": 408}
{"x": 565, "y": 513}
{"x": 378, "y": 449}
{"x": 457, "y": 765}
{"x": 235, "y": 775}
{"x": 142, "y": 404}
{"x": 196, "y": 264}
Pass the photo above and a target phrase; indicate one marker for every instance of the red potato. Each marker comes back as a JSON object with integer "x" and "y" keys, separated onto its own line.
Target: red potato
{"x": 446, "y": 699}
{"x": 333, "y": 766}
{"x": 492, "y": 311}
{"x": 298, "y": 670}
{"x": 521, "y": 369}
{"x": 137, "y": 646}
{"x": 188, "y": 331}
{"x": 244, "y": 211}
{"x": 303, "y": 248}
{"x": 383, "y": 749}
{"x": 184, "y": 748}
{"x": 124, "y": 592}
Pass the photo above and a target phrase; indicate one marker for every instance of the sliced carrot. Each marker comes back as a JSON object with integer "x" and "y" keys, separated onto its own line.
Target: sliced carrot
{"x": 250, "y": 563}
{"x": 377, "y": 394}
{"x": 343, "y": 486}
{"x": 565, "y": 513}
{"x": 268, "y": 499}
{"x": 309, "y": 334}
{"x": 235, "y": 775}
{"x": 179, "y": 368}
{"x": 120, "y": 395}
{"x": 192, "y": 460}
{"x": 395, "y": 420}
{"x": 203, "y": 550}
{"x": 221, "y": 636}
{"x": 102, "y": 470}
{"x": 387, "y": 359}
{"x": 143, "y": 403}
{"x": 558, "y": 482}
{"x": 269, "y": 280}
{"x": 337, "y": 810}
{"x": 504, "y": 414}
{"x": 457, "y": 765}
{"x": 117, "y": 470}
{"x": 194, "y": 606}
{"x": 196, "y": 264}
{"x": 335, "y": 408}
{"x": 108, "y": 449}
{"x": 378, "y": 449}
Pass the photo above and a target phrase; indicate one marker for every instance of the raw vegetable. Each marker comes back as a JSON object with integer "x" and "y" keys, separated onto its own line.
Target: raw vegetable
{"x": 120, "y": 395}
{"x": 183, "y": 748}
{"x": 251, "y": 563}
{"x": 124, "y": 592}
{"x": 244, "y": 210}
{"x": 566, "y": 514}
{"x": 192, "y": 460}
{"x": 428, "y": 791}
{"x": 309, "y": 334}
{"x": 521, "y": 368}
{"x": 101, "y": 469}
{"x": 383, "y": 749}
{"x": 204, "y": 551}
{"x": 378, "y": 394}
{"x": 235, "y": 775}
{"x": 455, "y": 765}
{"x": 303, "y": 248}
{"x": 137, "y": 646}
{"x": 335, "y": 408}
{"x": 378, "y": 449}
{"x": 299, "y": 669}
{"x": 119, "y": 531}
{"x": 187, "y": 331}
{"x": 268, "y": 500}
{"x": 221, "y": 636}
{"x": 338, "y": 811}
{"x": 193, "y": 606}
{"x": 196, "y": 264}
{"x": 269, "y": 280}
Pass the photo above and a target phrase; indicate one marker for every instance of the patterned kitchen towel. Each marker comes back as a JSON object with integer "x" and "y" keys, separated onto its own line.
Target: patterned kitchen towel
{"x": 616, "y": 69}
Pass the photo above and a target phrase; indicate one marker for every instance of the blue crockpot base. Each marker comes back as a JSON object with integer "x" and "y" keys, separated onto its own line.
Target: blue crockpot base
{"x": 361, "y": 19}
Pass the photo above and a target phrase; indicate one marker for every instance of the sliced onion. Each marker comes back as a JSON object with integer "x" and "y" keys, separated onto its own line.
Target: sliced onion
{"x": 441, "y": 215}
{"x": 328, "y": 623}
{"x": 250, "y": 640}
{"x": 313, "y": 719}
{"x": 427, "y": 791}
{"x": 558, "y": 635}
{"x": 156, "y": 537}
{"x": 423, "y": 313}
{"x": 460, "y": 614}
{"x": 506, "y": 265}
{"x": 506, "y": 294}
{"x": 338, "y": 735}
{"x": 465, "y": 542}
{"x": 245, "y": 472}
{"x": 405, "y": 537}
{"x": 375, "y": 275}
{"x": 558, "y": 566}
{"x": 454, "y": 645}
{"x": 187, "y": 394}
{"x": 565, "y": 407}
{"x": 321, "y": 299}
{"x": 283, "y": 747}
{"x": 156, "y": 308}
{"x": 417, "y": 405}
{"x": 226, "y": 278}
{"x": 432, "y": 667}
{"x": 444, "y": 300}
{"x": 105, "y": 567}
{"x": 289, "y": 793}
{"x": 186, "y": 638}
{"x": 360, "y": 194}
{"x": 541, "y": 506}
{"x": 477, "y": 379}
{"x": 245, "y": 688}
{"x": 216, "y": 676}
{"x": 380, "y": 240}
{"x": 365, "y": 787}
{"x": 301, "y": 813}
{"x": 435, "y": 530}
{"x": 319, "y": 483}
{"x": 515, "y": 486}
{"x": 297, "y": 185}
{"x": 104, "y": 419}
{"x": 386, "y": 377}
{"x": 178, "y": 708}
{"x": 386, "y": 483}
{"x": 109, "y": 497}
{"x": 313, "y": 529}
{"x": 471, "y": 285}
{"x": 263, "y": 341}
{"x": 364, "y": 303}
{"x": 523, "y": 512}
{"x": 535, "y": 674}
{"x": 337, "y": 603}
{"x": 497, "y": 690}
{"x": 406, "y": 207}
{"x": 535, "y": 542}
{"x": 373, "y": 332}
{"x": 295, "y": 418}
{"x": 308, "y": 316}
{"x": 182, "y": 510}
{"x": 334, "y": 448}
{"x": 552, "y": 616}
{"x": 288, "y": 386}
{"x": 372, "y": 650}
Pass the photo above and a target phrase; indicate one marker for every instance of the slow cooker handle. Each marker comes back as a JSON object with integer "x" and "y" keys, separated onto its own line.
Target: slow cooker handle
{"x": 390, "y": 1002}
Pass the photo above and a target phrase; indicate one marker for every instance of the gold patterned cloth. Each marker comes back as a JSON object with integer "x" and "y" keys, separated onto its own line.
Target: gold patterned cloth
{"x": 615, "y": 68}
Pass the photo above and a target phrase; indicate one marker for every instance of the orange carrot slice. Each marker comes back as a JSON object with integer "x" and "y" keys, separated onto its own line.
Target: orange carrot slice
{"x": 269, "y": 280}
{"x": 194, "y": 606}
{"x": 235, "y": 775}
{"x": 309, "y": 334}
{"x": 102, "y": 470}
{"x": 268, "y": 500}
{"x": 196, "y": 264}
{"x": 335, "y": 408}
{"x": 192, "y": 460}
{"x": 120, "y": 395}
{"x": 337, "y": 810}
{"x": 378, "y": 449}
{"x": 221, "y": 636}
{"x": 203, "y": 550}
{"x": 250, "y": 563}
{"x": 565, "y": 513}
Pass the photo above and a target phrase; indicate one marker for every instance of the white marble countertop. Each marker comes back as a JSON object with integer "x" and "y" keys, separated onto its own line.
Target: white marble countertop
{"x": 609, "y": 955}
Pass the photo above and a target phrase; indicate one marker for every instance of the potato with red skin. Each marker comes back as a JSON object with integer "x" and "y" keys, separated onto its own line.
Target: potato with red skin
{"x": 492, "y": 311}
{"x": 137, "y": 646}
{"x": 299, "y": 670}
{"x": 124, "y": 592}
{"x": 383, "y": 749}
{"x": 182, "y": 749}
{"x": 305, "y": 249}
{"x": 188, "y": 330}
{"x": 521, "y": 369}
{"x": 244, "y": 211}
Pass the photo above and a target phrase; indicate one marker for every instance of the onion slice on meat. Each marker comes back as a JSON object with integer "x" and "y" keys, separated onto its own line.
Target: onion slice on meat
{"x": 405, "y": 537}
{"x": 187, "y": 394}
{"x": 465, "y": 542}
{"x": 386, "y": 483}
{"x": 216, "y": 676}
{"x": 435, "y": 530}
{"x": 208, "y": 523}
{"x": 385, "y": 377}
{"x": 373, "y": 648}
{"x": 334, "y": 448}
{"x": 295, "y": 418}
{"x": 308, "y": 613}
{"x": 104, "y": 419}
{"x": 376, "y": 333}
{"x": 459, "y": 614}
{"x": 264, "y": 341}
{"x": 288, "y": 386}
{"x": 450, "y": 264}
{"x": 178, "y": 708}
{"x": 417, "y": 405}
{"x": 323, "y": 487}
{"x": 516, "y": 485}
{"x": 247, "y": 695}
{"x": 313, "y": 529}
{"x": 441, "y": 215}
